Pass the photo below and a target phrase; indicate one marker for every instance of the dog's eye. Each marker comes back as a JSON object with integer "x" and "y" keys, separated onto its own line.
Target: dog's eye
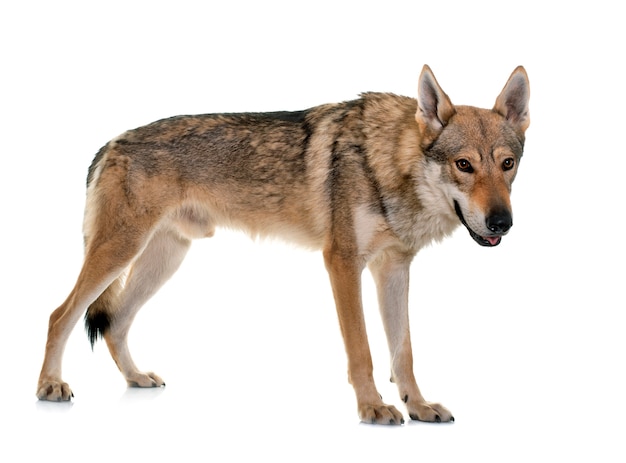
{"x": 508, "y": 164}
{"x": 464, "y": 166}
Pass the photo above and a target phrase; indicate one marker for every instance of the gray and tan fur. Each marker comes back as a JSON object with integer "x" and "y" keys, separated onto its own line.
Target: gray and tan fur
{"x": 369, "y": 182}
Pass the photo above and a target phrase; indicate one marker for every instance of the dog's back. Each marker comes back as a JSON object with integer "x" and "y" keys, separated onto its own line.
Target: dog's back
{"x": 267, "y": 173}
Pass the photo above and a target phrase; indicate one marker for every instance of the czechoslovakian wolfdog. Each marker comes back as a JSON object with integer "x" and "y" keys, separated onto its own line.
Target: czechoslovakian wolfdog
{"x": 369, "y": 182}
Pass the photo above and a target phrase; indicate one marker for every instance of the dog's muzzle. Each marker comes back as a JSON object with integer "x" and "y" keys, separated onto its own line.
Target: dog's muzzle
{"x": 499, "y": 224}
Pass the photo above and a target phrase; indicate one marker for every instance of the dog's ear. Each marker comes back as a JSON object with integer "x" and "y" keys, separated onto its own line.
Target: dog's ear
{"x": 512, "y": 102}
{"x": 434, "y": 107}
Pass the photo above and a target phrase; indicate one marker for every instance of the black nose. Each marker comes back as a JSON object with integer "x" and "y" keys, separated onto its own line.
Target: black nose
{"x": 500, "y": 223}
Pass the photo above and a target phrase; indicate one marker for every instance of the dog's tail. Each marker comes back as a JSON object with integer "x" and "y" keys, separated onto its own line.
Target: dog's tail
{"x": 100, "y": 313}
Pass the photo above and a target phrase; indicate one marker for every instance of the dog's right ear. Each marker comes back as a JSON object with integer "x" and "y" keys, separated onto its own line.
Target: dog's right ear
{"x": 434, "y": 107}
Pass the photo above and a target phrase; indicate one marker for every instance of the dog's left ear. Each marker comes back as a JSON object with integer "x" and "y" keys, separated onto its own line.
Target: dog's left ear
{"x": 512, "y": 103}
{"x": 434, "y": 107}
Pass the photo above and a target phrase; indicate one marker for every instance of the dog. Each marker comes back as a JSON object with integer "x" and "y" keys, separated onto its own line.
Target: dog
{"x": 369, "y": 182}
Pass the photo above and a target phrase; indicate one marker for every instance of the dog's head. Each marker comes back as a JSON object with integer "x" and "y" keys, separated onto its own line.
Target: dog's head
{"x": 476, "y": 152}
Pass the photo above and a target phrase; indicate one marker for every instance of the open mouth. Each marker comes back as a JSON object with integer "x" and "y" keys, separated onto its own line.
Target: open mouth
{"x": 488, "y": 241}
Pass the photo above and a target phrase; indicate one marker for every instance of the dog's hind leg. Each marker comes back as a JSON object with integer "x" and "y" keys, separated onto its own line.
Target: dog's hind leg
{"x": 391, "y": 274}
{"x": 104, "y": 262}
{"x": 157, "y": 263}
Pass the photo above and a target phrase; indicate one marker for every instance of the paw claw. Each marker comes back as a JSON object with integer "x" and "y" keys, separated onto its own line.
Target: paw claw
{"x": 429, "y": 412}
{"x": 54, "y": 390}
{"x": 144, "y": 380}
{"x": 380, "y": 414}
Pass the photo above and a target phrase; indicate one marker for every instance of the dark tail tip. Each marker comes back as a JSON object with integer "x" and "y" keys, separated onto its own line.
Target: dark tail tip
{"x": 96, "y": 325}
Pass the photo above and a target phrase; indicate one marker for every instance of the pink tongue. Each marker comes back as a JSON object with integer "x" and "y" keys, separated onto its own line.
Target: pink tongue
{"x": 493, "y": 240}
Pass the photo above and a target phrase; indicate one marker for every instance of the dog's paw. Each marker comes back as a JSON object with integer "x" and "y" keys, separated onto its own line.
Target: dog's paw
{"x": 380, "y": 414}
{"x": 431, "y": 412}
{"x": 54, "y": 390}
{"x": 144, "y": 380}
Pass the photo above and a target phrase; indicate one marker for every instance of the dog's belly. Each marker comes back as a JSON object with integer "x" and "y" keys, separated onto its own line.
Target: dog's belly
{"x": 200, "y": 219}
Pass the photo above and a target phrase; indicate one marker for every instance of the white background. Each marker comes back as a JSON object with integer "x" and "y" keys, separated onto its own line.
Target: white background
{"x": 524, "y": 342}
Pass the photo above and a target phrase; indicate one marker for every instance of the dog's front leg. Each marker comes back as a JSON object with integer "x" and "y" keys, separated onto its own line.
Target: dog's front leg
{"x": 391, "y": 274}
{"x": 345, "y": 276}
